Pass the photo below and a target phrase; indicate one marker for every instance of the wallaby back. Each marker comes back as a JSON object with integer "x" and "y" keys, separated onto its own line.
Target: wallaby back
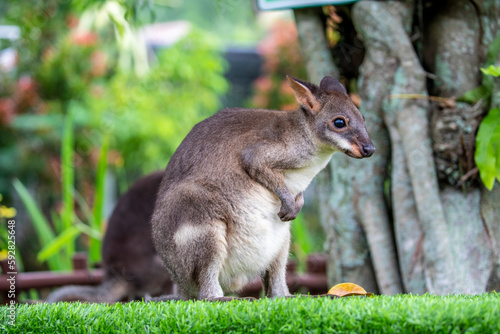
{"x": 131, "y": 264}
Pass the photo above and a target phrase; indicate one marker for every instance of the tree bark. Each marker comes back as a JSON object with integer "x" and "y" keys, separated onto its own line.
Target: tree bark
{"x": 353, "y": 203}
{"x": 379, "y": 23}
{"x": 445, "y": 229}
{"x": 453, "y": 38}
{"x": 490, "y": 200}
{"x": 349, "y": 258}
{"x": 313, "y": 43}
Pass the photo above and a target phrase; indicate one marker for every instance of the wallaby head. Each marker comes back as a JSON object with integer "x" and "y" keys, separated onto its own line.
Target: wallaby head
{"x": 335, "y": 121}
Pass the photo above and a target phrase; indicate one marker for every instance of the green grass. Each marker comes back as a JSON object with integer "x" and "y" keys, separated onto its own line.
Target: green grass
{"x": 382, "y": 314}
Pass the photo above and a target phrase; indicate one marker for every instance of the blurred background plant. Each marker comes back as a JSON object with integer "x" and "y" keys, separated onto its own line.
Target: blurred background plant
{"x": 281, "y": 53}
{"x": 82, "y": 72}
{"x": 487, "y": 155}
{"x": 59, "y": 239}
{"x": 89, "y": 106}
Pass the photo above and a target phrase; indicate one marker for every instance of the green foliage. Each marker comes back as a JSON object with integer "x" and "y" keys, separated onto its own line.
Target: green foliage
{"x": 232, "y": 21}
{"x": 64, "y": 80}
{"x": 41, "y": 224}
{"x": 475, "y": 95}
{"x": 82, "y": 59}
{"x": 68, "y": 178}
{"x": 147, "y": 118}
{"x": 96, "y": 222}
{"x": 381, "y": 314}
{"x": 492, "y": 70}
{"x": 302, "y": 244}
{"x": 484, "y": 91}
{"x": 58, "y": 239}
{"x": 487, "y": 155}
{"x": 281, "y": 53}
{"x": 39, "y": 21}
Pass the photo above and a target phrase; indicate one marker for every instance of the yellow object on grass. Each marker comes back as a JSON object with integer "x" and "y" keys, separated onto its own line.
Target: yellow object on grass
{"x": 348, "y": 289}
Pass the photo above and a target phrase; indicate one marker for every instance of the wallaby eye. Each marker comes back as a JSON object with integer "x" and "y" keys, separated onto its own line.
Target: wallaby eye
{"x": 339, "y": 123}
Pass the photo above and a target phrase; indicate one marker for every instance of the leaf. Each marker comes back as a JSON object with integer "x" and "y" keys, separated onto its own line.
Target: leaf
{"x": 85, "y": 229}
{"x": 301, "y": 235}
{"x": 492, "y": 70}
{"x": 348, "y": 289}
{"x": 42, "y": 226}
{"x": 55, "y": 246}
{"x": 302, "y": 243}
{"x": 488, "y": 147}
{"x": 94, "y": 244}
{"x": 37, "y": 122}
{"x": 85, "y": 209}
{"x": 493, "y": 50}
{"x": 473, "y": 96}
{"x": 68, "y": 177}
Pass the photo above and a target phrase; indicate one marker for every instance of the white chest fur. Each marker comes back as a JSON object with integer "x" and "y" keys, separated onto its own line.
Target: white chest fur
{"x": 298, "y": 179}
{"x": 258, "y": 237}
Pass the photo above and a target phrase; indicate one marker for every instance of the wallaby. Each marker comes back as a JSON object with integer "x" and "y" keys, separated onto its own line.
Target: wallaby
{"x": 132, "y": 267}
{"x": 222, "y": 211}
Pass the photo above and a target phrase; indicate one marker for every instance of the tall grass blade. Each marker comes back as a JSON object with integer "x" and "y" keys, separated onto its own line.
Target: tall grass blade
{"x": 84, "y": 207}
{"x": 42, "y": 226}
{"x": 95, "y": 245}
{"x": 54, "y": 247}
{"x": 56, "y": 220}
{"x": 301, "y": 235}
{"x": 67, "y": 154}
{"x": 85, "y": 229}
{"x": 302, "y": 244}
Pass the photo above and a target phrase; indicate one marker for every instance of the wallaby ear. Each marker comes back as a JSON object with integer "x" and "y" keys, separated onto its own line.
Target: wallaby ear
{"x": 330, "y": 84}
{"x": 304, "y": 94}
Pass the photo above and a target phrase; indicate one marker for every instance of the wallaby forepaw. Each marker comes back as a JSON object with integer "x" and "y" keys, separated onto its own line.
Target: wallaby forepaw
{"x": 299, "y": 202}
{"x": 287, "y": 210}
{"x": 287, "y": 216}
{"x": 288, "y": 213}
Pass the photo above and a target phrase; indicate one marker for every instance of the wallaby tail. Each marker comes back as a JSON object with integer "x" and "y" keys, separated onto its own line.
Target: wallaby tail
{"x": 109, "y": 291}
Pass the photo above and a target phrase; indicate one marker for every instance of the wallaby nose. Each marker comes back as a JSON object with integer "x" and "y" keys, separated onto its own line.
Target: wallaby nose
{"x": 367, "y": 150}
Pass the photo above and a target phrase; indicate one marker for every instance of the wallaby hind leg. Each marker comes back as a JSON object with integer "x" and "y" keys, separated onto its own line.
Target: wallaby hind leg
{"x": 208, "y": 282}
{"x": 193, "y": 252}
{"x": 274, "y": 278}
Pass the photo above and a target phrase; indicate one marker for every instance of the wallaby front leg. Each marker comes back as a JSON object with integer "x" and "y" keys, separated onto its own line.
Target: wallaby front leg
{"x": 259, "y": 164}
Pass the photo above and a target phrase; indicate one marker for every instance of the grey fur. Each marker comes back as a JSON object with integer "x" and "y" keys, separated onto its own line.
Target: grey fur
{"x": 222, "y": 211}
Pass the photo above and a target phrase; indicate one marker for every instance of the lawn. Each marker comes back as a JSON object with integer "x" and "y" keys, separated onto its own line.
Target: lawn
{"x": 398, "y": 314}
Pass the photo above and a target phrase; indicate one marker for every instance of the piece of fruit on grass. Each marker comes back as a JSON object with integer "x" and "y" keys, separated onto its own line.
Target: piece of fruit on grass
{"x": 348, "y": 289}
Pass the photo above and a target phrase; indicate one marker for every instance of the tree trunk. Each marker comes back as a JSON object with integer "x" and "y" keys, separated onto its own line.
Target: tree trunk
{"x": 454, "y": 39}
{"x": 489, "y": 11}
{"x": 352, "y": 199}
{"x": 444, "y": 227}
